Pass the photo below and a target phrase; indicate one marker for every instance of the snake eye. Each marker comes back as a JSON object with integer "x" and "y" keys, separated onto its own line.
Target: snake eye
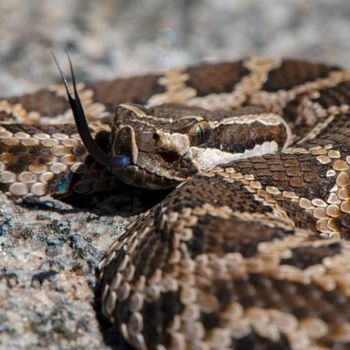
{"x": 199, "y": 133}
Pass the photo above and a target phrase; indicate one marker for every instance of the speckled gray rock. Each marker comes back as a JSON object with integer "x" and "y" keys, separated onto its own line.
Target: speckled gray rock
{"x": 48, "y": 257}
{"x": 47, "y": 276}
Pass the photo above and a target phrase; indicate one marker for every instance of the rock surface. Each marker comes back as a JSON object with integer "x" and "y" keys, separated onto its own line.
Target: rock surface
{"x": 48, "y": 256}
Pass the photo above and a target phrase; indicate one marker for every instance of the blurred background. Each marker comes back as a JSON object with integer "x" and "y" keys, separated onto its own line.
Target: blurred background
{"x": 107, "y": 38}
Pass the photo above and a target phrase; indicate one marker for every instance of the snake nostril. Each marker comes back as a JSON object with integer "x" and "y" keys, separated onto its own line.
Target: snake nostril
{"x": 161, "y": 144}
{"x": 157, "y": 139}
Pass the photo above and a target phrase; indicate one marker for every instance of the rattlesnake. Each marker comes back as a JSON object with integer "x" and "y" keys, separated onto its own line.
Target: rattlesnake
{"x": 249, "y": 250}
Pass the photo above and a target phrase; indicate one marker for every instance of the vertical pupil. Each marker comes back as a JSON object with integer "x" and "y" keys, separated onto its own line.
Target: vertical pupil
{"x": 199, "y": 133}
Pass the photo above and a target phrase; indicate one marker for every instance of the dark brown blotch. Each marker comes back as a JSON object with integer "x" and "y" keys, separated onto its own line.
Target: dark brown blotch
{"x": 43, "y": 101}
{"x": 126, "y": 90}
{"x": 296, "y": 72}
{"x": 213, "y": 235}
{"x": 303, "y": 257}
{"x": 216, "y": 78}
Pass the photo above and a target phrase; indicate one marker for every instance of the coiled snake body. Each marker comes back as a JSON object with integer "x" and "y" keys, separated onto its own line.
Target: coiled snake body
{"x": 250, "y": 250}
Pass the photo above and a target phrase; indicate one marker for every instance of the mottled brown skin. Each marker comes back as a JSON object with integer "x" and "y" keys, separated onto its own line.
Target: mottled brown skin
{"x": 252, "y": 254}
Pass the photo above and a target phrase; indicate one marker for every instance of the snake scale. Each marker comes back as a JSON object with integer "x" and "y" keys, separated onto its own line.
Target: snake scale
{"x": 249, "y": 250}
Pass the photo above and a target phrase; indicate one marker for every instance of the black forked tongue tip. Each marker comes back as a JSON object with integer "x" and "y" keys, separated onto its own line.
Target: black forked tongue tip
{"x": 113, "y": 163}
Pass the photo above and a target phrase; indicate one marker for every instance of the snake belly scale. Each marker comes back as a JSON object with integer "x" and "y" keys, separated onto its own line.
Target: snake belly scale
{"x": 250, "y": 250}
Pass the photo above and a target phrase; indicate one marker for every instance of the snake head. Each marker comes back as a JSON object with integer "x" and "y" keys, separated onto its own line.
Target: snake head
{"x": 169, "y": 143}
{"x": 162, "y": 146}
